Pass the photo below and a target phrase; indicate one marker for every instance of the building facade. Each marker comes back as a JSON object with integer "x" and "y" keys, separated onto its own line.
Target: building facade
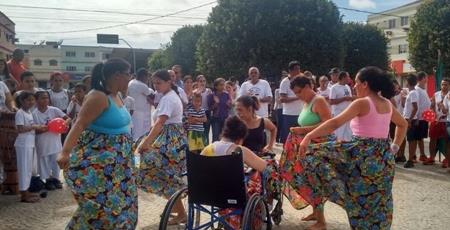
{"x": 7, "y": 36}
{"x": 78, "y": 61}
{"x": 396, "y": 23}
{"x": 42, "y": 60}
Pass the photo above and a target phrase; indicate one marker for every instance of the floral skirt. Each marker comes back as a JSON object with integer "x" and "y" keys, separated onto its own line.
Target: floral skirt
{"x": 102, "y": 179}
{"x": 272, "y": 182}
{"x": 291, "y": 167}
{"x": 162, "y": 166}
{"x": 196, "y": 140}
{"x": 356, "y": 175}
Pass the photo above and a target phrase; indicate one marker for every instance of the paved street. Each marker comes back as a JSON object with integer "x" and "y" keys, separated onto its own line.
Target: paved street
{"x": 422, "y": 201}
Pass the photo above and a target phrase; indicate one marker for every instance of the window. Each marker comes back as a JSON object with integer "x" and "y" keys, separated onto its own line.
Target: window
{"x": 37, "y": 62}
{"x": 71, "y": 68}
{"x": 391, "y": 23}
{"x": 403, "y": 48}
{"x": 404, "y": 21}
{"x": 53, "y": 62}
{"x": 70, "y": 54}
{"x": 89, "y": 54}
{"x": 105, "y": 56}
{"x": 87, "y": 69}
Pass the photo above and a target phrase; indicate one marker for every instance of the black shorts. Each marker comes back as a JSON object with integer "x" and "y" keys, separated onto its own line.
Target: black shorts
{"x": 417, "y": 131}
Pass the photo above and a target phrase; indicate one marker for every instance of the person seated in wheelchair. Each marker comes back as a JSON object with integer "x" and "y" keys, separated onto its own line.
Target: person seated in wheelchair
{"x": 233, "y": 135}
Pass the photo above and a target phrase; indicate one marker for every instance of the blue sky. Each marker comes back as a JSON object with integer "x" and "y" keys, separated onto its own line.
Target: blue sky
{"x": 53, "y": 25}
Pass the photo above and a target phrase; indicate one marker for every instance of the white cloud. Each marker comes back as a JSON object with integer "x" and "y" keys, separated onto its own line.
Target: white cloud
{"x": 362, "y": 4}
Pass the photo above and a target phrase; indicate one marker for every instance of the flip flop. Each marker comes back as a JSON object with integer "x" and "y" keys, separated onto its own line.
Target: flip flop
{"x": 30, "y": 199}
{"x": 176, "y": 221}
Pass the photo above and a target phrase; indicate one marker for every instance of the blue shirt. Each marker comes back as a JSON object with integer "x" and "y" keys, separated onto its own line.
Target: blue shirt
{"x": 114, "y": 120}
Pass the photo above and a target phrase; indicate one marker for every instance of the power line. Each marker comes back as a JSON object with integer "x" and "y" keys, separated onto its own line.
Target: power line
{"x": 86, "y": 20}
{"x": 93, "y": 11}
{"x": 124, "y": 24}
{"x": 367, "y": 12}
{"x": 149, "y": 33}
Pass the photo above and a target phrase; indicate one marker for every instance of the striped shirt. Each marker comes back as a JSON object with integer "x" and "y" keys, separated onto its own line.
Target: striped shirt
{"x": 191, "y": 112}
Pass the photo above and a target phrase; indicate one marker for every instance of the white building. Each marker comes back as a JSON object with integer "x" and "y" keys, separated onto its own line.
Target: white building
{"x": 79, "y": 61}
{"x": 395, "y": 23}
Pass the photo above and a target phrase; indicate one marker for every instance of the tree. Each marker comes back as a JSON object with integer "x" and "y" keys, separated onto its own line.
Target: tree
{"x": 159, "y": 60}
{"x": 364, "y": 45}
{"x": 429, "y": 33}
{"x": 268, "y": 34}
{"x": 180, "y": 50}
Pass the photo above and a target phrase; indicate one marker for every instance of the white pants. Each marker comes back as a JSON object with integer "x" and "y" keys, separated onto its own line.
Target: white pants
{"x": 25, "y": 157}
{"x": 141, "y": 123}
{"x": 344, "y": 133}
{"x": 48, "y": 168}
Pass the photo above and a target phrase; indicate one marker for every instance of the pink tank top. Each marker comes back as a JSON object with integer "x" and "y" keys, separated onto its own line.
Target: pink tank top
{"x": 372, "y": 125}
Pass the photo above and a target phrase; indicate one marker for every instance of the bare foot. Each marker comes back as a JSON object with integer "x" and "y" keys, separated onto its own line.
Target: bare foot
{"x": 310, "y": 217}
{"x": 318, "y": 226}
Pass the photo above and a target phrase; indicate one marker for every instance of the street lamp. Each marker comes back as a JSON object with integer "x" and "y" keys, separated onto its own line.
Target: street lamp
{"x": 134, "y": 54}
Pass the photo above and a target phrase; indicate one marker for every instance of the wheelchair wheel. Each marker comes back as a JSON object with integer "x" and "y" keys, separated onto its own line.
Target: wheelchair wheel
{"x": 193, "y": 216}
{"x": 256, "y": 215}
{"x": 277, "y": 212}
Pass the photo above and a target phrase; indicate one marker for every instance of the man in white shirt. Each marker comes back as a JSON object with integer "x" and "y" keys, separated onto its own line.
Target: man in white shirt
{"x": 340, "y": 98}
{"x": 179, "y": 75}
{"x": 438, "y": 128}
{"x": 423, "y": 104}
{"x": 334, "y": 77}
{"x": 258, "y": 88}
{"x": 138, "y": 89}
{"x": 292, "y": 105}
{"x": 410, "y": 113}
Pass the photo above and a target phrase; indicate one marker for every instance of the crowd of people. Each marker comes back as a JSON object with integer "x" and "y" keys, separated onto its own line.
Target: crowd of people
{"x": 132, "y": 131}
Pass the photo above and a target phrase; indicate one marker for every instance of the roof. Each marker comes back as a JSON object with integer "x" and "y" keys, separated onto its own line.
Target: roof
{"x": 4, "y": 15}
{"x": 396, "y": 8}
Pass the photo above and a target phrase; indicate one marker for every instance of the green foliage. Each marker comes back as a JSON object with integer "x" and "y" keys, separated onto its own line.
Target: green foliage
{"x": 180, "y": 50}
{"x": 268, "y": 34}
{"x": 158, "y": 60}
{"x": 430, "y": 32}
{"x": 365, "y": 45}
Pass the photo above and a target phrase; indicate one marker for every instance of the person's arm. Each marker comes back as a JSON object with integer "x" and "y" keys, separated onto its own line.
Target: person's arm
{"x": 401, "y": 127}
{"x": 321, "y": 108}
{"x": 433, "y": 104}
{"x": 339, "y": 100}
{"x": 268, "y": 96}
{"x": 273, "y": 134}
{"x": 94, "y": 104}
{"x": 415, "y": 108}
{"x": 9, "y": 101}
{"x": 331, "y": 125}
{"x": 252, "y": 160}
{"x": 154, "y": 132}
{"x": 393, "y": 102}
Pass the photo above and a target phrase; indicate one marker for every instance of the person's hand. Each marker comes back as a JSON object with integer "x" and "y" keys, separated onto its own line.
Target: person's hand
{"x": 267, "y": 149}
{"x": 142, "y": 148}
{"x": 74, "y": 99}
{"x": 216, "y": 99}
{"x": 304, "y": 145}
{"x": 63, "y": 160}
{"x": 349, "y": 98}
{"x": 43, "y": 128}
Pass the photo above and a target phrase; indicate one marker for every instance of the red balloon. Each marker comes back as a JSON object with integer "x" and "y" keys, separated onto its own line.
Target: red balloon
{"x": 429, "y": 115}
{"x": 57, "y": 125}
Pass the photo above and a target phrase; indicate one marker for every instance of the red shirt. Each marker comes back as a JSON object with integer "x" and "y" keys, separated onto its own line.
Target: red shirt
{"x": 16, "y": 69}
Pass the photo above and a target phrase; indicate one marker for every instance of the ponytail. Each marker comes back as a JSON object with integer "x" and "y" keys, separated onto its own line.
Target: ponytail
{"x": 175, "y": 88}
{"x": 98, "y": 79}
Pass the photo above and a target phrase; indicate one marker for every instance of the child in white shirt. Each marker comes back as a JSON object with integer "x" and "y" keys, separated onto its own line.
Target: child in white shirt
{"x": 48, "y": 144}
{"x": 25, "y": 144}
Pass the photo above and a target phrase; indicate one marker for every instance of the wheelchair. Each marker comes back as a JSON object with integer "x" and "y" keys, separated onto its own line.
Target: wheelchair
{"x": 216, "y": 184}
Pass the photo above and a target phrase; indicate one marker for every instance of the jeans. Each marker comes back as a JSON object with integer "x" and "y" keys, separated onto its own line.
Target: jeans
{"x": 217, "y": 126}
{"x": 288, "y": 122}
